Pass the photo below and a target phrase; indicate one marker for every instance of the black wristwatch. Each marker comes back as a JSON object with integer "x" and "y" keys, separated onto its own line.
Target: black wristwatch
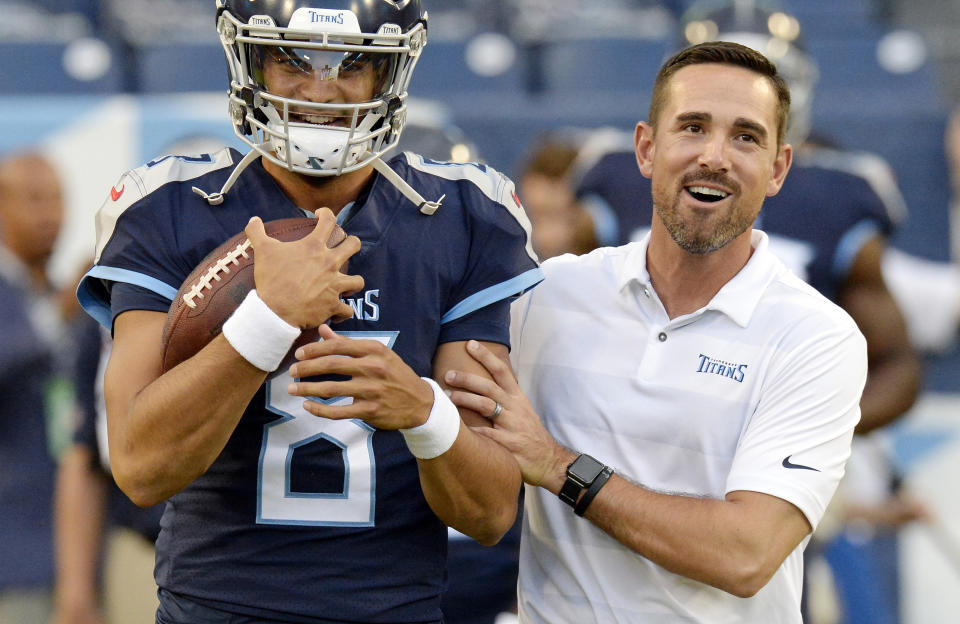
{"x": 580, "y": 475}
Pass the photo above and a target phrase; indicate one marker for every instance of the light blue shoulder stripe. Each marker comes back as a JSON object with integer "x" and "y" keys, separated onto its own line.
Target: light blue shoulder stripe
{"x": 99, "y": 308}
{"x": 851, "y": 243}
{"x": 515, "y": 286}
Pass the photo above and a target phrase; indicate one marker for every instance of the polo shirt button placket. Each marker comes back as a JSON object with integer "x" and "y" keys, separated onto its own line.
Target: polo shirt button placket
{"x": 662, "y": 336}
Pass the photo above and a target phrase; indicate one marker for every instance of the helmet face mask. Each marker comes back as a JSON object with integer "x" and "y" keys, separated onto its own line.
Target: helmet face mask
{"x": 310, "y": 90}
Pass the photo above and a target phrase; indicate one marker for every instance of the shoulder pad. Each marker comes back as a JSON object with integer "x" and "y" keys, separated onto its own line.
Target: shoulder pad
{"x": 138, "y": 183}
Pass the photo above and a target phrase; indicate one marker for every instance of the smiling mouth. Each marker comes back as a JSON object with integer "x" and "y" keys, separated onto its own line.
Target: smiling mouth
{"x": 706, "y": 194}
{"x": 318, "y": 120}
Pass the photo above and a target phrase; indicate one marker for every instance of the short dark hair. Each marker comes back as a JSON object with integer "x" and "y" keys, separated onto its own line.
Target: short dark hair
{"x": 724, "y": 53}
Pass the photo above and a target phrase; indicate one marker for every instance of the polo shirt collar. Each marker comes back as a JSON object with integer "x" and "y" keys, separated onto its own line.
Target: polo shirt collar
{"x": 738, "y": 298}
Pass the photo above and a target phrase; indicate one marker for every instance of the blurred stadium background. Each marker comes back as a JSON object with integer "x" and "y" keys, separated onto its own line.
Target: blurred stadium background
{"x": 101, "y": 86}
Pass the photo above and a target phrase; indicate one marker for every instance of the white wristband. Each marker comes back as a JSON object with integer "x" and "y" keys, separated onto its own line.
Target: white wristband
{"x": 437, "y": 435}
{"x": 258, "y": 334}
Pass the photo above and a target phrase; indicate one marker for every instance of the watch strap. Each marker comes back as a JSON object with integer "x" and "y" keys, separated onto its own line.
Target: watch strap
{"x": 570, "y": 491}
{"x": 581, "y": 507}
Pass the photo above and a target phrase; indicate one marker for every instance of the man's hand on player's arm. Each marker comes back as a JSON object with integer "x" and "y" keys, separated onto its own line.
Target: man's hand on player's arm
{"x": 734, "y": 544}
{"x": 472, "y": 485}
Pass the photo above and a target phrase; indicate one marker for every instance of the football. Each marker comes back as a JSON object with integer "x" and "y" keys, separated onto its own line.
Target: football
{"x": 215, "y": 288}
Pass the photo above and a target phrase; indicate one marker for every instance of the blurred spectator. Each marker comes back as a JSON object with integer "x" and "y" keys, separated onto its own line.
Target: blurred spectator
{"x": 430, "y": 132}
{"x": 560, "y": 223}
{"x": 100, "y": 533}
{"x": 34, "y": 399}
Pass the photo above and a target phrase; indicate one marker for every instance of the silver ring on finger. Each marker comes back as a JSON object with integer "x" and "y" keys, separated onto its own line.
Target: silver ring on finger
{"x": 496, "y": 411}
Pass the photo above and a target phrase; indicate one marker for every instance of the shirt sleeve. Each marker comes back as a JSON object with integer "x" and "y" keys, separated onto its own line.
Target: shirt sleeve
{"x": 489, "y": 324}
{"x": 138, "y": 252}
{"x": 797, "y": 443}
{"x": 501, "y": 264}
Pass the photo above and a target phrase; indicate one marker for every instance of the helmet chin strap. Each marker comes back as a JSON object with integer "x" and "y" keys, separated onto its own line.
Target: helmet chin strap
{"x": 215, "y": 199}
{"x": 425, "y": 207}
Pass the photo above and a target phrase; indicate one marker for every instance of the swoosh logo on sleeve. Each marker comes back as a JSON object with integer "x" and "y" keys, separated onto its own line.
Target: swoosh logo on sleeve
{"x": 789, "y": 464}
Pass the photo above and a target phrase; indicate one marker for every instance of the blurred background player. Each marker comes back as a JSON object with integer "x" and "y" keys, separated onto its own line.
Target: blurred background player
{"x": 829, "y": 224}
{"x": 333, "y": 509}
{"x": 35, "y": 402}
{"x": 928, "y": 291}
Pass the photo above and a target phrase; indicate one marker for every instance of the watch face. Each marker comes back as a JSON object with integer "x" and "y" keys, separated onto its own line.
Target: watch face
{"x": 585, "y": 469}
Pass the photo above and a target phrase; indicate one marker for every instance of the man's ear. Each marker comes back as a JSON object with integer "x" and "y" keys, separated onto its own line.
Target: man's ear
{"x": 644, "y": 148}
{"x": 780, "y": 168}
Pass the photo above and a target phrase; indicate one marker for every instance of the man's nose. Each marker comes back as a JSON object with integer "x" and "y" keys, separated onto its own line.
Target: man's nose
{"x": 714, "y": 154}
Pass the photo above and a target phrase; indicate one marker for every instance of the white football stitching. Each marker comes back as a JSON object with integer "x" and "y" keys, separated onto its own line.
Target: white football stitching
{"x": 213, "y": 273}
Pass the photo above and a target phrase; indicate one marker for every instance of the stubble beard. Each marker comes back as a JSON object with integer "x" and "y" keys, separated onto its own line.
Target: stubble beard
{"x": 696, "y": 235}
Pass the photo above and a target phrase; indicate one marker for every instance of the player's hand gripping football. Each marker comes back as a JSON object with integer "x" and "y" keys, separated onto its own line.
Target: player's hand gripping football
{"x": 301, "y": 280}
{"x": 387, "y": 393}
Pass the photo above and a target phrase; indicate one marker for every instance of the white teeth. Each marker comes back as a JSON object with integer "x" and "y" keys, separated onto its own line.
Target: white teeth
{"x": 316, "y": 119}
{"x": 703, "y": 190}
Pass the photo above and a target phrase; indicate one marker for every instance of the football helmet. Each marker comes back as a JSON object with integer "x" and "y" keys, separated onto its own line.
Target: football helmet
{"x": 320, "y": 86}
{"x": 770, "y": 31}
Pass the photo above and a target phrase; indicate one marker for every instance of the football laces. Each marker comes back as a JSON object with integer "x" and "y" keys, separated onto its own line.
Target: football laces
{"x": 215, "y": 272}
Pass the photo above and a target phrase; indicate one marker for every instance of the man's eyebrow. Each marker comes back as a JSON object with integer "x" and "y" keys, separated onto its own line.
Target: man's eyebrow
{"x": 752, "y": 126}
{"x": 693, "y": 116}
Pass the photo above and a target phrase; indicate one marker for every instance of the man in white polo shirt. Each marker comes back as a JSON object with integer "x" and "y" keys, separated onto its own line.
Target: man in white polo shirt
{"x": 716, "y": 390}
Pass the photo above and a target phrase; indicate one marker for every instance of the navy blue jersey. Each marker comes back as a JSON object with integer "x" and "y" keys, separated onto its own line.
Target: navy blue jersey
{"x": 304, "y": 519}
{"x": 817, "y": 223}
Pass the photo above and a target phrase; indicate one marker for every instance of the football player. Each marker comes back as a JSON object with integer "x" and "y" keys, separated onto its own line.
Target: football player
{"x": 318, "y": 493}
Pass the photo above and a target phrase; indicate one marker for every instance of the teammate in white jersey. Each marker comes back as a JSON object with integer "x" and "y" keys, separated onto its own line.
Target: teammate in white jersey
{"x": 716, "y": 390}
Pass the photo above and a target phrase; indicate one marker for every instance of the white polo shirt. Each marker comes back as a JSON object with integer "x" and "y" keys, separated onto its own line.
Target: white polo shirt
{"x": 759, "y": 390}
